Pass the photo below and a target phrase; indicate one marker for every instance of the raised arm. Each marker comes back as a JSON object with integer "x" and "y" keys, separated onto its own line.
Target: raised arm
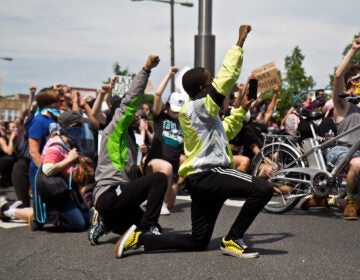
{"x": 341, "y": 105}
{"x": 271, "y": 106}
{"x": 157, "y": 106}
{"x": 96, "y": 108}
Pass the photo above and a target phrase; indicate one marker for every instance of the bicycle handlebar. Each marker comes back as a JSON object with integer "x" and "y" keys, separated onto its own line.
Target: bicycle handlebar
{"x": 349, "y": 97}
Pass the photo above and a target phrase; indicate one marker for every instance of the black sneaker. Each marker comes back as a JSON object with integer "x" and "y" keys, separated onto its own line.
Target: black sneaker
{"x": 4, "y": 206}
{"x": 97, "y": 228}
{"x": 33, "y": 224}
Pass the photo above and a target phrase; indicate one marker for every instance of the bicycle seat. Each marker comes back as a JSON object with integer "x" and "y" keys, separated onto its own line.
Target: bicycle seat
{"x": 312, "y": 114}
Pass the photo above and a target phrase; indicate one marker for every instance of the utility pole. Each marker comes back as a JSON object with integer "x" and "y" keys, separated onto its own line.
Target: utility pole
{"x": 205, "y": 41}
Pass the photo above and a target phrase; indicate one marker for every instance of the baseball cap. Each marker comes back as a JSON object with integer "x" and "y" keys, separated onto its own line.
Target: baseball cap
{"x": 70, "y": 117}
{"x": 176, "y": 100}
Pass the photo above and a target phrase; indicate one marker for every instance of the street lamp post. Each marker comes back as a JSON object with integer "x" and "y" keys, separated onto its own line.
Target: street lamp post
{"x": 6, "y": 58}
{"x": 172, "y": 36}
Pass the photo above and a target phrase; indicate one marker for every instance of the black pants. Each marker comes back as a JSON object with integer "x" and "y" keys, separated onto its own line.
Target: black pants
{"x": 120, "y": 205}
{"x": 20, "y": 180}
{"x": 6, "y": 167}
{"x": 208, "y": 191}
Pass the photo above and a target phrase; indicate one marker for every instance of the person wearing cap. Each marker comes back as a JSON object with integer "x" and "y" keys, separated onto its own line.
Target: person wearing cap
{"x": 347, "y": 115}
{"x": 68, "y": 211}
{"x": 57, "y": 157}
{"x": 167, "y": 144}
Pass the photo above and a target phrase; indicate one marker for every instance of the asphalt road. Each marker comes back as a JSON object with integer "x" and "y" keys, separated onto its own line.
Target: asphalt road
{"x": 316, "y": 244}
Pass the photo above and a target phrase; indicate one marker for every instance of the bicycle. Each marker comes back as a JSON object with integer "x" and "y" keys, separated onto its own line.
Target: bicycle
{"x": 303, "y": 168}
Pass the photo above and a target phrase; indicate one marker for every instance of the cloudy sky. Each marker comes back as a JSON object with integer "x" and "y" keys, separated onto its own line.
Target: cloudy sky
{"x": 77, "y": 42}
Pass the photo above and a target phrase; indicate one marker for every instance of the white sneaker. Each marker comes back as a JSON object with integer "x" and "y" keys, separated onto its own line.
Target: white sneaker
{"x": 164, "y": 210}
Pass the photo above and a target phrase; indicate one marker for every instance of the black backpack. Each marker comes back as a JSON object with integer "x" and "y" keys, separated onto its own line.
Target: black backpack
{"x": 23, "y": 146}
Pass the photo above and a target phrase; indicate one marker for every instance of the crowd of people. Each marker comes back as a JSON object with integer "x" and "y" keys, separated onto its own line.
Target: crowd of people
{"x": 202, "y": 137}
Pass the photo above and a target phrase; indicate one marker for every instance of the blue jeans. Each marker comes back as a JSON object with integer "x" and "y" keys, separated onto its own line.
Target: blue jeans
{"x": 73, "y": 218}
{"x": 336, "y": 154}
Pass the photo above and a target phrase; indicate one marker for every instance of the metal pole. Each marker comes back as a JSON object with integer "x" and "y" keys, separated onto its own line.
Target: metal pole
{"x": 172, "y": 43}
{"x": 204, "y": 41}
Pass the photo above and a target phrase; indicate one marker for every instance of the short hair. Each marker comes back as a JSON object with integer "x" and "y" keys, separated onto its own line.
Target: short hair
{"x": 317, "y": 92}
{"x": 47, "y": 96}
{"x": 193, "y": 79}
{"x": 351, "y": 72}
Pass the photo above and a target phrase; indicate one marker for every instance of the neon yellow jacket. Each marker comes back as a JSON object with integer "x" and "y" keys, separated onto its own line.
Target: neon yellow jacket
{"x": 206, "y": 137}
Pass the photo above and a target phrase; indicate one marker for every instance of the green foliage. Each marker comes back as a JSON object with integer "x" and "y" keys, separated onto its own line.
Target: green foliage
{"x": 295, "y": 80}
{"x": 119, "y": 72}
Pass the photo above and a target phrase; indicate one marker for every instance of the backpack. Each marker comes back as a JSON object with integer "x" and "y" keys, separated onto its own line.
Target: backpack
{"x": 23, "y": 146}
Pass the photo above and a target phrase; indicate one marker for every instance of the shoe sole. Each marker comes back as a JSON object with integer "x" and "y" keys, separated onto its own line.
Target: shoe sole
{"x": 119, "y": 246}
{"x": 351, "y": 218}
{"x": 94, "y": 218}
{"x": 241, "y": 256}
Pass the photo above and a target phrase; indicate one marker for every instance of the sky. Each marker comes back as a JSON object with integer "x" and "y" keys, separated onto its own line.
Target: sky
{"x": 77, "y": 42}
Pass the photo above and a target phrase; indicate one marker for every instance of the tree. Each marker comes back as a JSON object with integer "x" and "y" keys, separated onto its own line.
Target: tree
{"x": 355, "y": 60}
{"x": 295, "y": 80}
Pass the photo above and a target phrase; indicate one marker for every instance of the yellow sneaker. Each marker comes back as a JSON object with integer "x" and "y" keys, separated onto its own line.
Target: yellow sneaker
{"x": 129, "y": 240}
{"x": 237, "y": 249}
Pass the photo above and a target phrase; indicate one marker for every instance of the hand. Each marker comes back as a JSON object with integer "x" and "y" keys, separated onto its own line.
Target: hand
{"x": 245, "y": 102}
{"x": 173, "y": 70}
{"x": 151, "y": 62}
{"x": 356, "y": 44}
{"x": 73, "y": 155}
{"x": 113, "y": 81}
{"x": 143, "y": 148}
{"x": 105, "y": 88}
{"x": 143, "y": 126}
{"x": 82, "y": 101}
{"x": 32, "y": 90}
{"x": 74, "y": 96}
{"x": 276, "y": 89}
{"x": 13, "y": 134}
{"x": 243, "y": 32}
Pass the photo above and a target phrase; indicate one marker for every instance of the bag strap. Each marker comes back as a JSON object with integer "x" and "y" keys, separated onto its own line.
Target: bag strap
{"x": 39, "y": 206}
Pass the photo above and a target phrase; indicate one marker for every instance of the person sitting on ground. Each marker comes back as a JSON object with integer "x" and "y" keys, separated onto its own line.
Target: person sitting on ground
{"x": 66, "y": 210}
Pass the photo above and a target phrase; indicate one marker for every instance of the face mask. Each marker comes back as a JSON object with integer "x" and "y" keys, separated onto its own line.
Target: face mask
{"x": 53, "y": 111}
{"x": 74, "y": 135}
{"x": 357, "y": 89}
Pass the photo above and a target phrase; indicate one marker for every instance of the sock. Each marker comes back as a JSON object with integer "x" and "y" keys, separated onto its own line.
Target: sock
{"x": 331, "y": 201}
{"x": 10, "y": 213}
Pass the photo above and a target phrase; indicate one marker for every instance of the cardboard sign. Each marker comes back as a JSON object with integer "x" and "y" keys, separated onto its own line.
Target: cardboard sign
{"x": 267, "y": 76}
{"x": 122, "y": 85}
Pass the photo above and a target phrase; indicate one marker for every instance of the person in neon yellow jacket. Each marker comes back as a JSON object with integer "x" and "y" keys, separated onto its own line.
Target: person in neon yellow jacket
{"x": 209, "y": 171}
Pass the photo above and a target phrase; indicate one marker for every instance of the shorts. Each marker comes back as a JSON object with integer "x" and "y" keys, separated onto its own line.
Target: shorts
{"x": 336, "y": 154}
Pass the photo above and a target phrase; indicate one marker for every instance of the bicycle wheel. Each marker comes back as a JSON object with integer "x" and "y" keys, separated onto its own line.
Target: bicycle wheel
{"x": 278, "y": 156}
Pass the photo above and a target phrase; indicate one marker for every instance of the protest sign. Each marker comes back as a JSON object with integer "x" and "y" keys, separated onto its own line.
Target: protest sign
{"x": 267, "y": 76}
{"x": 122, "y": 85}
